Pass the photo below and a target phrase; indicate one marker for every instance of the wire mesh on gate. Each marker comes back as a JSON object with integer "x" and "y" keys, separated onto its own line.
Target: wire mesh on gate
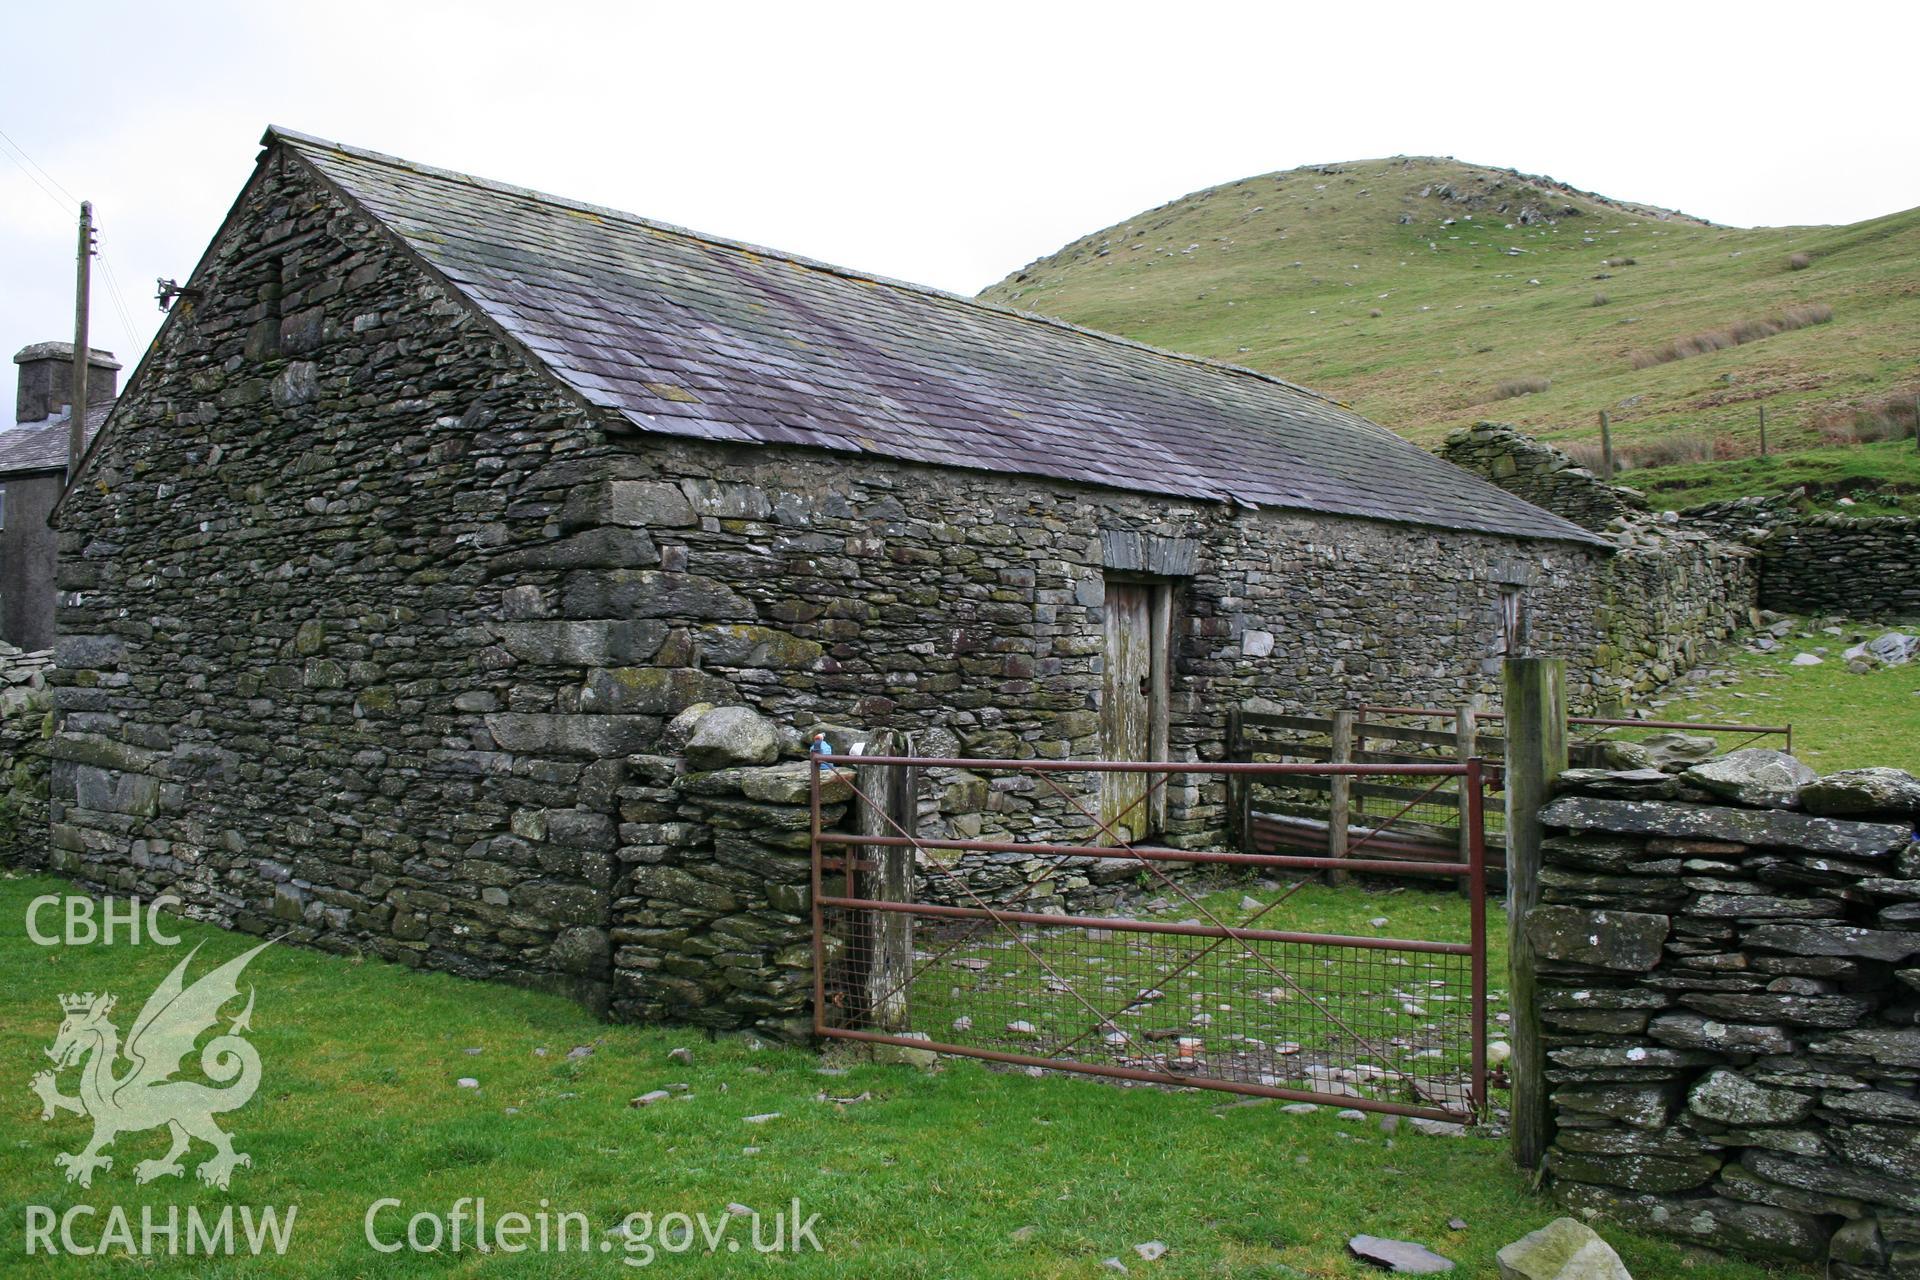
{"x": 1189, "y": 994}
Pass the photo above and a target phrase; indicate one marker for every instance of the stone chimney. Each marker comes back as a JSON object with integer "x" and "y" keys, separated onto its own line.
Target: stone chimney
{"x": 46, "y": 379}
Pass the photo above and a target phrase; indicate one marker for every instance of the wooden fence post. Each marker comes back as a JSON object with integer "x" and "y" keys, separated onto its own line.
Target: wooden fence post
{"x": 1606, "y": 448}
{"x": 1536, "y": 727}
{"x": 893, "y": 790}
{"x": 1339, "y": 793}
{"x": 1763, "y": 431}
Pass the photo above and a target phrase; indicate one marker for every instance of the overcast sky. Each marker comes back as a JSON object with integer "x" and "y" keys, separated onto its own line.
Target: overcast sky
{"x": 944, "y": 143}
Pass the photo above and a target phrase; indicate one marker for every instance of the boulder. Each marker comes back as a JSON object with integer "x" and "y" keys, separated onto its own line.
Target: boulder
{"x": 1641, "y": 1106}
{"x": 1678, "y": 748}
{"x": 582, "y": 949}
{"x": 1562, "y": 1250}
{"x": 1692, "y": 1031}
{"x": 1863, "y": 792}
{"x": 1835, "y": 940}
{"x": 1834, "y": 1177}
{"x": 1894, "y": 648}
{"x": 680, "y": 728}
{"x": 1627, "y": 756}
{"x": 1859, "y": 1244}
{"x": 1758, "y": 776}
{"x": 732, "y": 735}
{"x": 1705, "y": 1219}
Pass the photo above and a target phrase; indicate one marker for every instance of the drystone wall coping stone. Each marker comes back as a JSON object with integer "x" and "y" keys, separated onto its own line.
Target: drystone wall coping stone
{"x": 1753, "y": 827}
{"x": 1756, "y": 776}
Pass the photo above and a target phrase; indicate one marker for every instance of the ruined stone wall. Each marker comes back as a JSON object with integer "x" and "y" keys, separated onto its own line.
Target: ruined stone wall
{"x": 1731, "y": 999}
{"x": 1541, "y": 474}
{"x": 1676, "y": 590}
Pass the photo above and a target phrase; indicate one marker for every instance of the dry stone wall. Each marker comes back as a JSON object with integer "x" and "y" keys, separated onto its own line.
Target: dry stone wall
{"x": 710, "y": 919}
{"x": 1842, "y": 565}
{"x": 1857, "y": 567}
{"x": 25, "y": 701}
{"x": 1732, "y": 1007}
{"x": 1684, "y": 582}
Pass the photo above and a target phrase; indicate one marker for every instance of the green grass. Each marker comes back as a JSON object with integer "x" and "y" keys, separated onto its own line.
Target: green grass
{"x": 966, "y": 1172}
{"x": 1285, "y": 272}
{"x": 1263, "y": 1012}
{"x": 1840, "y": 720}
{"x": 1882, "y": 479}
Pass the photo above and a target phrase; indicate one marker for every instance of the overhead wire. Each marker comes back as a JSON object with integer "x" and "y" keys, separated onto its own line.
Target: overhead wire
{"x": 71, "y": 207}
{"x": 36, "y": 164}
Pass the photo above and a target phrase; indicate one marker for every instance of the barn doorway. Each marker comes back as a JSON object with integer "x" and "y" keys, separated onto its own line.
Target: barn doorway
{"x": 1133, "y": 702}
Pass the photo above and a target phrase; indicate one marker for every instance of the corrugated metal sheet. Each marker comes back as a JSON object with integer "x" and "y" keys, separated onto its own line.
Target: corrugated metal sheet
{"x": 687, "y": 335}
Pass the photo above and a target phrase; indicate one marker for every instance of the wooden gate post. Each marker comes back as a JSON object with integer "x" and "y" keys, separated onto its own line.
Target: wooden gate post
{"x": 1466, "y": 743}
{"x": 1536, "y": 754}
{"x": 1339, "y": 793}
{"x": 895, "y": 808}
{"x": 1237, "y": 788}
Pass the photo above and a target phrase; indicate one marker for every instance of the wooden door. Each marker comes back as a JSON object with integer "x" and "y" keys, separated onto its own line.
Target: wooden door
{"x": 1127, "y": 706}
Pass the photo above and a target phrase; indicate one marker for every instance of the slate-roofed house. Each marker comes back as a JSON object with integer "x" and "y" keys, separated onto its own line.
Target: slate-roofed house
{"x": 33, "y": 471}
{"x": 435, "y": 499}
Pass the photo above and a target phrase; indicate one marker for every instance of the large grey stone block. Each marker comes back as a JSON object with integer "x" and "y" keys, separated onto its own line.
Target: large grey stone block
{"x": 1624, "y": 940}
{"x": 1769, "y": 827}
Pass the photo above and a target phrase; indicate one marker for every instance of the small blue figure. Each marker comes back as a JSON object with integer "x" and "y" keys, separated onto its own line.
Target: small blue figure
{"x": 819, "y": 747}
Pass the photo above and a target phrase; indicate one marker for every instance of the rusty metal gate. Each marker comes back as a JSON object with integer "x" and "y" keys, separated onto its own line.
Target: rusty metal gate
{"x": 1168, "y": 984}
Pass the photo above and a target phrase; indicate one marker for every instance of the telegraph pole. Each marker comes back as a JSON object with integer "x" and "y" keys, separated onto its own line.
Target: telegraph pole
{"x": 82, "y": 352}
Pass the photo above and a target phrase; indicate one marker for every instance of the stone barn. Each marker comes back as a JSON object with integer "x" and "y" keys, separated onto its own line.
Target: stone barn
{"x": 436, "y": 500}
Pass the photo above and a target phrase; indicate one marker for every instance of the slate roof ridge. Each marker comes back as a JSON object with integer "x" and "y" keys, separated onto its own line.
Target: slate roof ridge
{"x": 279, "y": 133}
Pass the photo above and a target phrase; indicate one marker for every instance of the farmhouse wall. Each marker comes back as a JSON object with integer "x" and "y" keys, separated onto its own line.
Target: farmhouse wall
{"x": 1730, "y": 1001}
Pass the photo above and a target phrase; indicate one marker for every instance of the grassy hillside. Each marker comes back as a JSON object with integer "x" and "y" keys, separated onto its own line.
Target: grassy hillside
{"x": 1430, "y": 294}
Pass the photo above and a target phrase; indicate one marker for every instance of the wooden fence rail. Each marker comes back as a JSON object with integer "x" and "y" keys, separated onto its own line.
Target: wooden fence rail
{"x": 1413, "y": 823}
{"x": 1269, "y": 814}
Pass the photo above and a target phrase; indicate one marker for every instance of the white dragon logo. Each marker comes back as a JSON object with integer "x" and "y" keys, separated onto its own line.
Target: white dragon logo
{"x": 144, "y": 1097}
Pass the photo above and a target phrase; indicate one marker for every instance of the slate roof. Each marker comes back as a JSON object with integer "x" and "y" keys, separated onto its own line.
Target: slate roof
{"x": 42, "y": 445}
{"x": 687, "y": 335}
